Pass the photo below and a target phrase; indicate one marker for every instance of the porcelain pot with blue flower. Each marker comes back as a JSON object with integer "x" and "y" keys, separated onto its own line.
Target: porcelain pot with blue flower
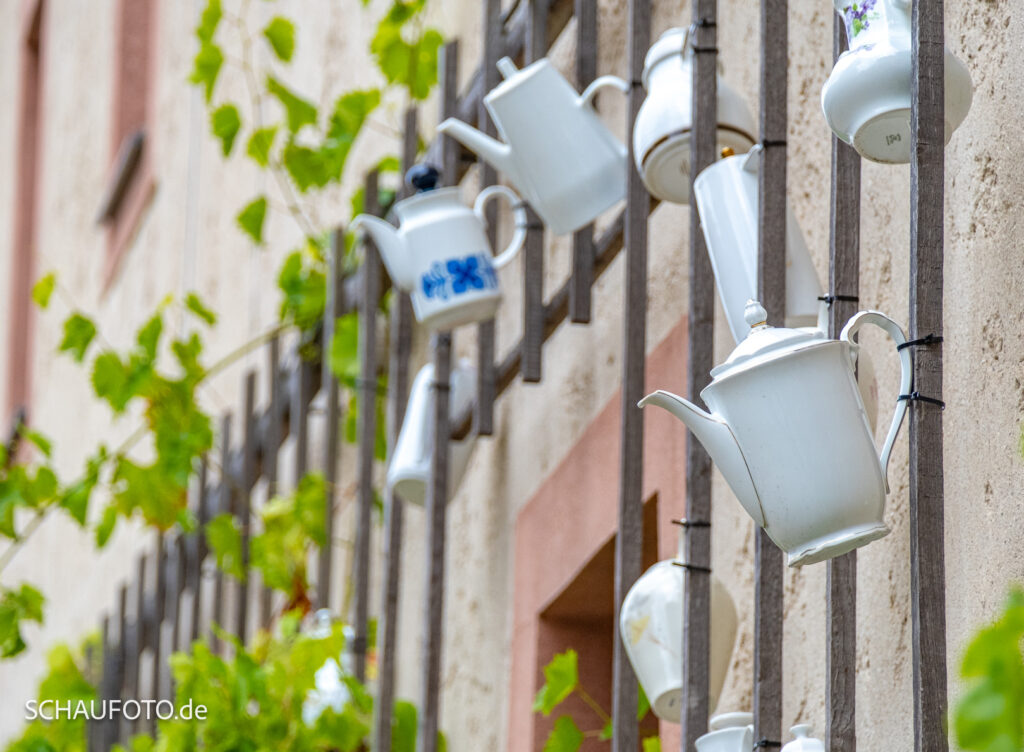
{"x": 866, "y": 99}
{"x": 788, "y": 429}
{"x": 440, "y": 253}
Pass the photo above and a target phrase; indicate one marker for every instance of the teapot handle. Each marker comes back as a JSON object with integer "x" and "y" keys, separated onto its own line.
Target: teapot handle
{"x": 587, "y": 97}
{"x": 906, "y": 374}
{"x": 518, "y": 211}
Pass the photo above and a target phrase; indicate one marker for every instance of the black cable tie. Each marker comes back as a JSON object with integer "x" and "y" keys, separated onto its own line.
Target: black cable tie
{"x": 705, "y": 23}
{"x": 918, "y": 397}
{"x": 691, "y": 523}
{"x": 692, "y": 567}
{"x": 533, "y": 225}
{"x": 358, "y": 645}
{"x": 635, "y": 84}
{"x": 767, "y": 743}
{"x": 445, "y": 387}
{"x": 930, "y": 339}
{"x": 766, "y": 142}
{"x": 830, "y": 299}
{"x": 699, "y": 50}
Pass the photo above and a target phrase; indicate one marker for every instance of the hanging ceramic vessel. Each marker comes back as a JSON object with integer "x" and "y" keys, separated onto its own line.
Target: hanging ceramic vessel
{"x": 789, "y": 432}
{"x": 651, "y": 625}
{"x": 409, "y": 468}
{"x": 727, "y": 201}
{"x": 440, "y": 254}
{"x": 661, "y": 135}
{"x": 728, "y": 732}
{"x": 803, "y": 741}
{"x": 866, "y": 99}
{"x": 556, "y": 151}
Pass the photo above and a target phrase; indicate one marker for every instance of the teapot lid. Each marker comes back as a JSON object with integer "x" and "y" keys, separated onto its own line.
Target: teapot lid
{"x": 730, "y": 720}
{"x": 765, "y": 342}
{"x": 803, "y": 741}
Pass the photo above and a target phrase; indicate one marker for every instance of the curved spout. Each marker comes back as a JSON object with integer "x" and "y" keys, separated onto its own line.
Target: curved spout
{"x": 391, "y": 248}
{"x": 717, "y": 438}
{"x": 497, "y": 153}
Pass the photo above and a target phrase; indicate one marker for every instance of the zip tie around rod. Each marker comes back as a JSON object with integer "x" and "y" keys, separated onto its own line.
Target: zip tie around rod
{"x": 918, "y": 397}
{"x": 767, "y": 743}
{"x": 692, "y": 567}
{"x": 830, "y": 299}
{"x": 928, "y": 339}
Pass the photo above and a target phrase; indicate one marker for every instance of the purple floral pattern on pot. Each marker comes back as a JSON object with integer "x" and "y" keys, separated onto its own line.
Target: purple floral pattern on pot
{"x": 458, "y": 276}
{"x": 859, "y": 16}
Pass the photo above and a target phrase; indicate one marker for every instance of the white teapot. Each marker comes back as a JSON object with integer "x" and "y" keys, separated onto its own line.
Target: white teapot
{"x": 557, "y": 152}
{"x": 803, "y": 741}
{"x": 651, "y": 626}
{"x": 661, "y": 136}
{"x": 866, "y": 99}
{"x": 789, "y": 432}
{"x": 728, "y": 732}
{"x": 440, "y": 254}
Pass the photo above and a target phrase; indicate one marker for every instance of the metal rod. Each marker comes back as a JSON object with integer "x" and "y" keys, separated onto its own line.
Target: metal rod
{"x": 437, "y": 494}
{"x": 271, "y": 447}
{"x": 768, "y": 567}
{"x": 695, "y": 653}
{"x": 222, "y": 505}
{"x": 582, "y": 280}
{"x": 245, "y": 501}
{"x": 366, "y": 431}
{"x": 841, "y": 574}
{"x": 927, "y": 565}
{"x": 629, "y": 539}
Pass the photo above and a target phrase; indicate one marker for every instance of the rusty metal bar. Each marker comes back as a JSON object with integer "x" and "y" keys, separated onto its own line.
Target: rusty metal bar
{"x": 629, "y": 540}
{"x": 270, "y": 448}
{"x": 398, "y": 382}
{"x": 366, "y": 430}
{"x": 245, "y": 502}
{"x": 222, "y": 505}
{"x": 580, "y": 292}
{"x": 437, "y": 489}
{"x": 768, "y": 561}
{"x": 156, "y": 622}
{"x": 195, "y": 563}
{"x": 927, "y": 563}
{"x": 841, "y": 575}
{"x": 696, "y": 647}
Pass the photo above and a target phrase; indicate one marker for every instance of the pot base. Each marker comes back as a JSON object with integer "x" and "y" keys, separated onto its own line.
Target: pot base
{"x": 470, "y": 312}
{"x": 836, "y": 544}
{"x": 666, "y": 166}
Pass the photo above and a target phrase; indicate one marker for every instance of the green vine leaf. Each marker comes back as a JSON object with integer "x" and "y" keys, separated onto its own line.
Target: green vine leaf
{"x": 350, "y": 112}
{"x": 224, "y": 537}
{"x": 79, "y": 332}
{"x": 306, "y": 166}
{"x": 250, "y": 219}
{"x": 344, "y": 349}
{"x": 225, "y": 123}
{"x": 409, "y": 64}
{"x": 652, "y": 744}
{"x": 564, "y": 737}
{"x": 196, "y": 306}
{"x": 561, "y": 678}
{"x": 260, "y": 143}
{"x": 43, "y": 289}
{"x": 208, "y": 21}
{"x": 298, "y": 111}
{"x": 106, "y": 525}
{"x": 16, "y": 606}
{"x": 280, "y": 32}
{"x": 304, "y": 288}
{"x": 206, "y": 67}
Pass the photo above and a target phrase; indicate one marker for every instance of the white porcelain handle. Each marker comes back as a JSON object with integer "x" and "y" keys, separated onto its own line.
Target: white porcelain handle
{"x": 587, "y": 97}
{"x": 906, "y": 374}
{"x": 518, "y": 212}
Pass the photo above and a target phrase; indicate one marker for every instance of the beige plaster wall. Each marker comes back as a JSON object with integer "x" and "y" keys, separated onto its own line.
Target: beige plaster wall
{"x": 187, "y": 240}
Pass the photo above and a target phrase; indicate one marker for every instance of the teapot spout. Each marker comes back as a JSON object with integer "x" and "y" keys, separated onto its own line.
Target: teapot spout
{"x": 497, "y": 153}
{"x": 391, "y": 247}
{"x": 718, "y": 440}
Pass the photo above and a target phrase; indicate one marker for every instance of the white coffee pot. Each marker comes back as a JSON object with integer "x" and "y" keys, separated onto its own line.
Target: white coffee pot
{"x": 789, "y": 432}
{"x": 409, "y": 467}
{"x": 661, "y": 134}
{"x": 803, "y": 741}
{"x": 556, "y": 151}
{"x": 728, "y": 732}
{"x": 866, "y": 99}
{"x": 440, "y": 253}
{"x": 727, "y": 201}
{"x": 651, "y": 625}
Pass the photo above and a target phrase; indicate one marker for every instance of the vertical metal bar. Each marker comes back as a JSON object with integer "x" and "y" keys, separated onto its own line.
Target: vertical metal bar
{"x": 841, "y": 575}
{"x": 245, "y": 501}
{"x": 137, "y": 644}
{"x": 927, "y": 564}
{"x": 437, "y": 489}
{"x": 531, "y": 354}
{"x": 398, "y": 380}
{"x": 366, "y": 429}
{"x": 483, "y": 414}
{"x": 583, "y": 239}
{"x": 271, "y": 449}
{"x": 156, "y": 621}
{"x": 180, "y": 561}
{"x": 697, "y": 591}
{"x": 196, "y": 564}
{"x": 768, "y": 568}
{"x": 629, "y": 540}
{"x": 329, "y": 382}
{"x": 223, "y": 504}
{"x": 298, "y": 418}
{"x": 119, "y": 685}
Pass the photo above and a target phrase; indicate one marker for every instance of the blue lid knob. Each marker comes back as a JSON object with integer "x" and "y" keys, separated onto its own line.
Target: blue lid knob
{"x": 423, "y": 177}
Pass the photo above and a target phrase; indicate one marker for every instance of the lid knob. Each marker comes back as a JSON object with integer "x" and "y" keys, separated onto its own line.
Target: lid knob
{"x": 801, "y": 731}
{"x": 755, "y": 314}
{"x": 423, "y": 177}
